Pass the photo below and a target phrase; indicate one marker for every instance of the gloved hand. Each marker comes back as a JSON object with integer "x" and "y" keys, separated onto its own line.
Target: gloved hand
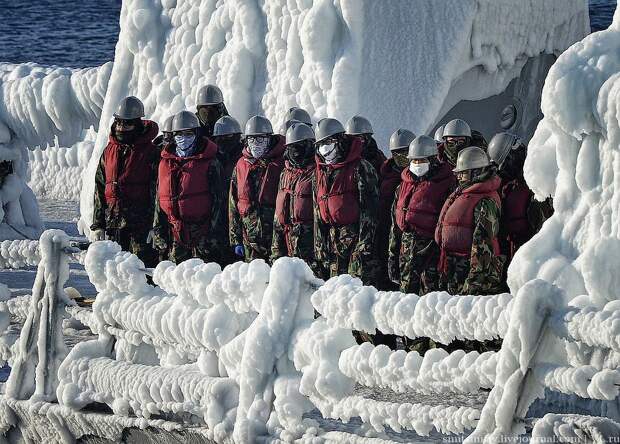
{"x": 239, "y": 250}
{"x": 98, "y": 235}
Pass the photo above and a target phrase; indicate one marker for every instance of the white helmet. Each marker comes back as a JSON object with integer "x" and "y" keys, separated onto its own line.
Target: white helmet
{"x": 299, "y": 114}
{"x": 130, "y": 108}
{"x": 184, "y": 120}
{"x": 400, "y": 139}
{"x": 471, "y": 158}
{"x": 209, "y": 95}
{"x": 225, "y": 126}
{"x": 258, "y": 126}
{"x": 501, "y": 145}
{"x": 422, "y": 147}
{"x": 457, "y": 128}
{"x": 298, "y": 132}
{"x": 328, "y": 127}
{"x": 439, "y": 133}
{"x": 358, "y": 125}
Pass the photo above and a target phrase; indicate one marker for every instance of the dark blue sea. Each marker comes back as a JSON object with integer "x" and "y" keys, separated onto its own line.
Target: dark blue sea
{"x": 83, "y": 33}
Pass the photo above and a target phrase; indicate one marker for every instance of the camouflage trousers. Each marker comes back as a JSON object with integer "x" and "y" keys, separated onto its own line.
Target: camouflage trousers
{"x": 418, "y": 264}
{"x": 346, "y": 256}
{"x": 461, "y": 279}
{"x": 134, "y": 240}
{"x": 208, "y": 252}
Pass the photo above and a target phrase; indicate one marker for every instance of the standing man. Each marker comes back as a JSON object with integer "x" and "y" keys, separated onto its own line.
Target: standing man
{"x": 347, "y": 196}
{"x": 293, "y": 225}
{"x": 228, "y": 138}
{"x": 522, "y": 215}
{"x": 360, "y": 127}
{"x": 189, "y": 194}
{"x": 456, "y": 137}
{"x": 209, "y": 108}
{"x": 389, "y": 180}
{"x": 467, "y": 234}
{"x": 126, "y": 182}
{"x": 166, "y": 134}
{"x": 253, "y": 190}
{"x": 426, "y": 184}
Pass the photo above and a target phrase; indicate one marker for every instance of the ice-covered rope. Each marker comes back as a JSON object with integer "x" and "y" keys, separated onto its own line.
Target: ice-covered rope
{"x": 436, "y": 372}
{"x": 19, "y": 253}
{"x": 585, "y": 381}
{"x": 345, "y": 302}
{"x": 145, "y": 390}
{"x": 421, "y": 418}
{"x": 590, "y": 325}
{"x": 240, "y": 286}
{"x": 17, "y": 307}
{"x": 126, "y": 301}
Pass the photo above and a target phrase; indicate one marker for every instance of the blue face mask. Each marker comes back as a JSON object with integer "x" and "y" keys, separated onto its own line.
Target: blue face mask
{"x": 185, "y": 145}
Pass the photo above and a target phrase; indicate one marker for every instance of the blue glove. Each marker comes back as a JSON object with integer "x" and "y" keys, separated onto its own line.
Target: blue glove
{"x": 239, "y": 250}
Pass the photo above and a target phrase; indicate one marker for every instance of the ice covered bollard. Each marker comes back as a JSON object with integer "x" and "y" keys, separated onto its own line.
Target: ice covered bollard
{"x": 41, "y": 348}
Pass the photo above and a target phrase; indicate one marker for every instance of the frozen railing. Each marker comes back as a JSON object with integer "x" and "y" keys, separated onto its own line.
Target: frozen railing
{"x": 239, "y": 351}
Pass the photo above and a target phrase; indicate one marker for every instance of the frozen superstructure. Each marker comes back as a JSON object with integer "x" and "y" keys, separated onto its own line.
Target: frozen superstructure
{"x": 402, "y": 63}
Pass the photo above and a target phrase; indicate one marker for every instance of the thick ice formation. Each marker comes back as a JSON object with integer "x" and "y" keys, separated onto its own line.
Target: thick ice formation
{"x": 574, "y": 157}
{"x": 345, "y": 302}
{"x": 44, "y": 106}
{"x": 320, "y": 55}
{"x": 436, "y": 372}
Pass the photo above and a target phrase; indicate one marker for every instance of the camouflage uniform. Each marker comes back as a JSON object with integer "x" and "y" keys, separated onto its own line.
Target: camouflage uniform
{"x": 255, "y": 230}
{"x": 130, "y": 224}
{"x": 422, "y": 254}
{"x": 481, "y": 273}
{"x": 349, "y": 248}
{"x": 301, "y": 236}
{"x": 208, "y": 248}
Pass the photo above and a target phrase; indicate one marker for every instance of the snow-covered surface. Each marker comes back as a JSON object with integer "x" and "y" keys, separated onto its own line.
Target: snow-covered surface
{"x": 347, "y": 303}
{"x": 575, "y": 428}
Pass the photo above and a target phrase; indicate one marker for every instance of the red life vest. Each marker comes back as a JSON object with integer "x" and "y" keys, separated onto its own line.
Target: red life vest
{"x": 184, "y": 190}
{"x": 339, "y": 201}
{"x": 390, "y": 179}
{"x": 420, "y": 201}
{"x": 516, "y": 198}
{"x": 294, "y": 203}
{"x": 455, "y": 230}
{"x": 268, "y": 168}
{"x": 128, "y": 175}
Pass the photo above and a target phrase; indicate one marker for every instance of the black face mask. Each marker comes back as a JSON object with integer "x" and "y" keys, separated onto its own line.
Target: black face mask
{"x": 300, "y": 154}
{"x": 229, "y": 146}
{"x": 209, "y": 114}
{"x": 127, "y": 133}
{"x": 452, "y": 149}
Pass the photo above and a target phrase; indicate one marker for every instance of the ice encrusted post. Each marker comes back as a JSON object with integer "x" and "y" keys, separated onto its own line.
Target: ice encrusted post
{"x": 40, "y": 348}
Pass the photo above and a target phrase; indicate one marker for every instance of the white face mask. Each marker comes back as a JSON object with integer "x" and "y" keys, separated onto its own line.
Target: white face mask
{"x": 329, "y": 152}
{"x": 419, "y": 169}
{"x": 258, "y": 147}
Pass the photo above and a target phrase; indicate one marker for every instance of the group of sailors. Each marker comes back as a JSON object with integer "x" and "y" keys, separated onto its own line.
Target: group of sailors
{"x": 441, "y": 213}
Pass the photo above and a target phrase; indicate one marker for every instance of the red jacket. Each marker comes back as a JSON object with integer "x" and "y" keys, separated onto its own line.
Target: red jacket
{"x": 268, "y": 169}
{"x": 516, "y": 198}
{"x": 455, "y": 230}
{"x": 420, "y": 201}
{"x": 339, "y": 201}
{"x": 128, "y": 177}
{"x": 184, "y": 190}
